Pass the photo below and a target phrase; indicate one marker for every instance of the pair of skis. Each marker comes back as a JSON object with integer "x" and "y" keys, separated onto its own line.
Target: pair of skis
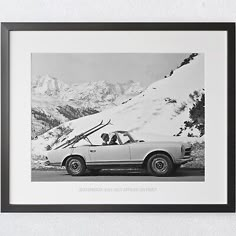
{"x": 83, "y": 135}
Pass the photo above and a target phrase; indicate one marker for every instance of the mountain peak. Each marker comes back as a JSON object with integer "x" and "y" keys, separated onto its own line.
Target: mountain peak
{"x": 48, "y": 85}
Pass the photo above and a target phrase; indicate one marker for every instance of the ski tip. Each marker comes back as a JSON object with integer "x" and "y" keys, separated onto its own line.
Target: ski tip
{"x": 109, "y": 122}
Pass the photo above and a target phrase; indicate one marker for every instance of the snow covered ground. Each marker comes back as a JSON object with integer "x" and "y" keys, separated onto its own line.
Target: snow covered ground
{"x": 157, "y": 113}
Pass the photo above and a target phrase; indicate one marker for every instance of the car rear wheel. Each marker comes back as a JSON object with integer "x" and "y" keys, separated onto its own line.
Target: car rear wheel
{"x": 75, "y": 166}
{"x": 160, "y": 165}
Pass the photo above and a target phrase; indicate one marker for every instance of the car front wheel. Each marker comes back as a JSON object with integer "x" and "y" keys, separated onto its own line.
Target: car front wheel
{"x": 160, "y": 165}
{"x": 75, "y": 166}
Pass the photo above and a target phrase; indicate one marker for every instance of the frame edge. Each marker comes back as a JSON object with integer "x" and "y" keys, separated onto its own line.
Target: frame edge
{"x": 5, "y": 118}
{"x": 5, "y": 103}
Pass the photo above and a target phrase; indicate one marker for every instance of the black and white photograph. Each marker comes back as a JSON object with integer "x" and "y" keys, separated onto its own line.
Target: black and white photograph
{"x": 117, "y": 117}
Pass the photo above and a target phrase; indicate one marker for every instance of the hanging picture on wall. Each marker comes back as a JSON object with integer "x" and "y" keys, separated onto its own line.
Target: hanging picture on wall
{"x": 118, "y": 117}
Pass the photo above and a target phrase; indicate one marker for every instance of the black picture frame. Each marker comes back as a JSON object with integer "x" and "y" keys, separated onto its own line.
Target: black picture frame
{"x": 6, "y": 28}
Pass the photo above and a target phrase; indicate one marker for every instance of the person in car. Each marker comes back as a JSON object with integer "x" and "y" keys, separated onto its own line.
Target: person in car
{"x": 113, "y": 140}
{"x": 105, "y": 138}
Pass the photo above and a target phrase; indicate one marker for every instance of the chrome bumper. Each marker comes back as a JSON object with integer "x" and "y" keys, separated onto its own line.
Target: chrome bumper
{"x": 48, "y": 163}
{"x": 183, "y": 160}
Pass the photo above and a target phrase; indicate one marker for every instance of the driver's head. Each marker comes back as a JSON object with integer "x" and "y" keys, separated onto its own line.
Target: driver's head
{"x": 114, "y": 138}
{"x": 105, "y": 137}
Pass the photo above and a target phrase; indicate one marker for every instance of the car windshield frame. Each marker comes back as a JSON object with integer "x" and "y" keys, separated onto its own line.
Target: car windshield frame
{"x": 118, "y": 133}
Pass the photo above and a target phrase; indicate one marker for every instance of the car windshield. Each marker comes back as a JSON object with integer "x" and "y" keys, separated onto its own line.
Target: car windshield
{"x": 125, "y": 137}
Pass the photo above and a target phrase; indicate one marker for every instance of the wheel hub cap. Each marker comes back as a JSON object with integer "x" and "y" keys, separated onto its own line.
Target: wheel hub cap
{"x": 75, "y": 166}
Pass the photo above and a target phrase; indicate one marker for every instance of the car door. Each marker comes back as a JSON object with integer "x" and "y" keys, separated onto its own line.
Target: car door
{"x": 109, "y": 153}
{"x": 138, "y": 151}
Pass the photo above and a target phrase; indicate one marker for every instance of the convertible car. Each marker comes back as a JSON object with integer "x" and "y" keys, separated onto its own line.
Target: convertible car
{"x": 158, "y": 158}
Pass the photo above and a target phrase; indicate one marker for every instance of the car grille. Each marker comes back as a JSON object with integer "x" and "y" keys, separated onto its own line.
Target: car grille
{"x": 187, "y": 152}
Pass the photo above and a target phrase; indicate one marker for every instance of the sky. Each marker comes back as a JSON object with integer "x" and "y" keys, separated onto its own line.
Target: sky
{"x": 145, "y": 68}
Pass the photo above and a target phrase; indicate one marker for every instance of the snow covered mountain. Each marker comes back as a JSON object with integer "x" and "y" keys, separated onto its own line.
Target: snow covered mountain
{"x": 158, "y": 111}
{"x": 54, "y": 102}
{"x": 97, "y": 94}
{"x": 102, "y": 94}
{"x": 48, "y": 86}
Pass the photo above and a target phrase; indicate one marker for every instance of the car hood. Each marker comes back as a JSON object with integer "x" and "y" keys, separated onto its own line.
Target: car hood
{"x": 160, "y": 142}
{"x": 164, "y": 143}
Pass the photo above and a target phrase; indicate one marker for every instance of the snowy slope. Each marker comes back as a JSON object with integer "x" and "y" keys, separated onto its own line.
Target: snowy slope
{"x": 157, "y": 112}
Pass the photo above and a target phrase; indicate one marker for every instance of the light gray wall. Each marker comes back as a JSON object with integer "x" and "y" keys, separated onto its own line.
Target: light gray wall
{"x": 117, "y": 224}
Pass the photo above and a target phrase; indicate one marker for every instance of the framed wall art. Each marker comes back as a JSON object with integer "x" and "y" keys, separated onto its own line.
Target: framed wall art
{"x": 118, "y": 117}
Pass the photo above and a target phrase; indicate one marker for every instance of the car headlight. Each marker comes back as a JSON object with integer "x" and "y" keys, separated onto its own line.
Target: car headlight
{"x": 44, "y": 158}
